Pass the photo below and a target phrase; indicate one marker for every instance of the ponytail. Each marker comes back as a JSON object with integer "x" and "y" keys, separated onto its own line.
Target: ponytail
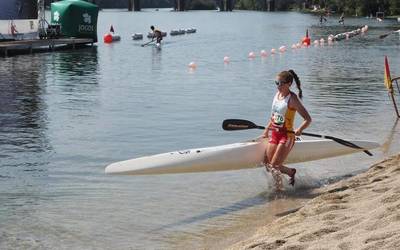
{"x": 298, "y": 83}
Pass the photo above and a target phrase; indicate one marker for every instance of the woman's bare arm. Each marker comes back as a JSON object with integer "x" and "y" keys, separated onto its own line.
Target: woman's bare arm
{"x": 295, "y": 103}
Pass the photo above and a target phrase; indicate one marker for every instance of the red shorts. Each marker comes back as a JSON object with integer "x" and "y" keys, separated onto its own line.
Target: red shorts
{"x": 280, "y": 136}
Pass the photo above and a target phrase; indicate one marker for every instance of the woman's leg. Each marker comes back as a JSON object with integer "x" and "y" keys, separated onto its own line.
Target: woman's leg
{"x": 281, "y": 153}
{"x": 271, "y": 149}
{"x": 275, "y": 171}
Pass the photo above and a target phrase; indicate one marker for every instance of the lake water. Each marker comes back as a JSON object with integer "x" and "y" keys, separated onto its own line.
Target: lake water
{"x": 66, "y": 115}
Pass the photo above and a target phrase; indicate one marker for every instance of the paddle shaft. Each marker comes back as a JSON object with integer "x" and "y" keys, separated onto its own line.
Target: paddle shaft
{"x": 385, "y": 35}
{"x": 147, "y": 43}
{"x": 238, "y": 124}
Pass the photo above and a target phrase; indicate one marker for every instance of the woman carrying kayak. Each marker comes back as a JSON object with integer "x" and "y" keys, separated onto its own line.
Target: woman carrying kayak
{"x": 279, "y": 130}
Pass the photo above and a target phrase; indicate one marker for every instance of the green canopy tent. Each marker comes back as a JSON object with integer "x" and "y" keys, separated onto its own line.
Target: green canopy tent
{"x": 77, "y": 18}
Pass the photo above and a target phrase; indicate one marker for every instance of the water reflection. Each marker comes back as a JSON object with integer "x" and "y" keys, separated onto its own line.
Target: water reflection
{"x": 22, "y": 107}
{"x": 24, "y": 144}
{"x": 78, "y": 63}
{"x": 73, "y": 76}
{"x": 389, "y": 140}
{"x": 156, "y": 56}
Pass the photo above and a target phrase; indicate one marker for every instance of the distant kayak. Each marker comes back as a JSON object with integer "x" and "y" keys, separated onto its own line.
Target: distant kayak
{"x": 229, "y": 157}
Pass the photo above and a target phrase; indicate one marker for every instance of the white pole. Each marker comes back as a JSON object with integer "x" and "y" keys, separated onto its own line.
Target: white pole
{"x": 41, "y": 17}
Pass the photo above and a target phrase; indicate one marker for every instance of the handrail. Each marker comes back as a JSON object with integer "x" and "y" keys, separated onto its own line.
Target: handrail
{"x": 392, "y": 95}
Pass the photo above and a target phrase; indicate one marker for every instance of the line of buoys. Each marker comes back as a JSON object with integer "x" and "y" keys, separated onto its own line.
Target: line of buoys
{"x": 305, "y": 43}
{"x": 111, "y": 37}
{"x": 174, "y": 32}
{"x": 182, "y": 31}
{"x": 349, "y": 34}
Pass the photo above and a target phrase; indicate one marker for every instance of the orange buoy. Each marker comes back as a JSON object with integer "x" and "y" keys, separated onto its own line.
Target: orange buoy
{"x": 107, "y": 38}
{"x": 192, "y": 65}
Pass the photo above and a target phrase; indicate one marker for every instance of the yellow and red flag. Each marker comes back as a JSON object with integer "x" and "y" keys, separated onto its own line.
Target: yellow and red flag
{"x": 388, "y": 79}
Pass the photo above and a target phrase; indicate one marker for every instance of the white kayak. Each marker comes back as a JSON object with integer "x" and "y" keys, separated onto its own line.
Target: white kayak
{"x": 229, "y": 157}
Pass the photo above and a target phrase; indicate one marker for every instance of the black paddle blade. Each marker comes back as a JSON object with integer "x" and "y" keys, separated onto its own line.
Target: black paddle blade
{"x": 348, "y": 144}
{"x": 385, "y": 35}
{"x": 239, "y": 124}
{"x": 340, "y": 141}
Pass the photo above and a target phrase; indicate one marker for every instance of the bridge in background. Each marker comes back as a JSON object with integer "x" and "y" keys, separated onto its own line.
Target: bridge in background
{"x": 180, "y": 5}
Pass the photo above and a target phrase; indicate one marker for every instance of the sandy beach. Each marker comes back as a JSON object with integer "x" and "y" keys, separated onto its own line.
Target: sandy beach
{"x": 362, "y": 212}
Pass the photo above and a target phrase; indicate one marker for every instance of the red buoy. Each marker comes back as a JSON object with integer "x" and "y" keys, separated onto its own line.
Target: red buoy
{"x": 306, "y": 40}
{"x": 107, "y": 38}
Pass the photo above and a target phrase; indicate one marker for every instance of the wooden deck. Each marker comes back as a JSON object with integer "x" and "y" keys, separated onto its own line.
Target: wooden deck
{"x": 31, "y": 46}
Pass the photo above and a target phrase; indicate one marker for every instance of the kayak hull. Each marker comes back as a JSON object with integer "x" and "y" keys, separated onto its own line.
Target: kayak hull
{"x": 229, "y": 157}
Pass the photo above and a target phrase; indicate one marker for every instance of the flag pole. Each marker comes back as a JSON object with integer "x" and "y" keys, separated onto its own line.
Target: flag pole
{"x": 389, "y": 85}
{"x": 397, "y": 84}
{"x": 395, "y": 105}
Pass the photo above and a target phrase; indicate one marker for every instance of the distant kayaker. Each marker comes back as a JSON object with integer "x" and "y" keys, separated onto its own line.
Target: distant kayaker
{"x": 156, "y": 34}
{"x": 280, "y": 131}
{"x": 341, "y": 19}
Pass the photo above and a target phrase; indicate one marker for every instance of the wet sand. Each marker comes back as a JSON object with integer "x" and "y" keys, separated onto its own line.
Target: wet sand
{"x": 217, "y": 237}
{"x": 274, "y": 209}
{"x": 362, "y": 212}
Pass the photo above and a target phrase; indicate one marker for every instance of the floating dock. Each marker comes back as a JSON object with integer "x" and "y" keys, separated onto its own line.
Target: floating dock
{"x": 40, "y": 45}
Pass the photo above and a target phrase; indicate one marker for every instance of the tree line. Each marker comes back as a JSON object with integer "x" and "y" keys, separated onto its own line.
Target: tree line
{"x": 349, "y": 7}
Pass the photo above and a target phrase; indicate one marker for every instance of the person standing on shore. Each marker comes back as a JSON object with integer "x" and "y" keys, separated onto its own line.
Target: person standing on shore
{"x": 156, "y": 34}
{"x": 280, "y": 131}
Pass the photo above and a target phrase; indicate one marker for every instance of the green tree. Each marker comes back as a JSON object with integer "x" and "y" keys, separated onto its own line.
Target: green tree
{"x": 394, "y": 7}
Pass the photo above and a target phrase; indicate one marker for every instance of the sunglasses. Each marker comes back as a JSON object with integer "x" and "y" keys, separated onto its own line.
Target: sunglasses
{"x": 279, "y": 83}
